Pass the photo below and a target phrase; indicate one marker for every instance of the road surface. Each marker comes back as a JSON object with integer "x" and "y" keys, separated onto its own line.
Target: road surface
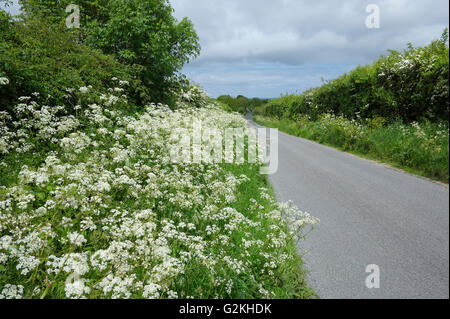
{"x": 370, "y": 214}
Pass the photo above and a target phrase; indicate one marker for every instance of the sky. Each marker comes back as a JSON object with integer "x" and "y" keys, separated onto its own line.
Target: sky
{"x": 264, "y": 48}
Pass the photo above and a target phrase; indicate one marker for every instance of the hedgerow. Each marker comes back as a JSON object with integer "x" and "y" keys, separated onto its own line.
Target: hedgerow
{"x": 40, "y": 57}
{"x": 143, "y": 34}
{"x": 403, "y": 86}
{"x": 241, "y": 103}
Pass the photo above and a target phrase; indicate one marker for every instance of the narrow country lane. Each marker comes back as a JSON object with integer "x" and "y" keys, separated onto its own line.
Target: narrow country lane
{"x": 370, "y": 214}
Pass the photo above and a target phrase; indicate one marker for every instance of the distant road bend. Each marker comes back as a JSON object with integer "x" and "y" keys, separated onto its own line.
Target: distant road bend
{"x": 370, "y": 214}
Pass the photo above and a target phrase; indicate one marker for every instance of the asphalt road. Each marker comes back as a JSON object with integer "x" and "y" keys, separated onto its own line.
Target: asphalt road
{"x": 370, "y": 214}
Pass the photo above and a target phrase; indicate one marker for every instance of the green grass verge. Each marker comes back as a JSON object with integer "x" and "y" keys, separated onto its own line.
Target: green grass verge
{"x": 290, "y": 279}
{"x": 421, "y": 149}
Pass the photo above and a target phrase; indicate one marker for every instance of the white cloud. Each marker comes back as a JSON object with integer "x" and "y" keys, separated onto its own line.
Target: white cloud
{"x": 263, "y": 80}
{"x": 301, "y": 31}
{"x": 298, "y": 41}
{"x": 267, "y": 47}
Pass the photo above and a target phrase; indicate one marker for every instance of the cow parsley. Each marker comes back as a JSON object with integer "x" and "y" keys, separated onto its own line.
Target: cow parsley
{"x": 4, "y": 81}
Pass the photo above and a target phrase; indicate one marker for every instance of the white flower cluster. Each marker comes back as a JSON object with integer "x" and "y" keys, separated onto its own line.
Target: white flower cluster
{"x": 4, "y": 81}
{"x": 11, "y": 292}
{"x": 419, "y": 59}
{"x": 108, "y": 215}
{"x": 85, "y": 89}
{"x": 193, "y": 96}
{"x": 44, "y": 123}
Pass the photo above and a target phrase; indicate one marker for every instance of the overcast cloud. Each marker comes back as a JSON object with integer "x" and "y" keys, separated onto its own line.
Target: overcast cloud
{"x": 268, "y": 47}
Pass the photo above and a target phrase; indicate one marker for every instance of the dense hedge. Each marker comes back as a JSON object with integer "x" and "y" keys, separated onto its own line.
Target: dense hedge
{"x": 142, "y": 33}
{"x": 241, "y": 103}
{"x": 408, "y": 86}
{"x": 38, "y": 57}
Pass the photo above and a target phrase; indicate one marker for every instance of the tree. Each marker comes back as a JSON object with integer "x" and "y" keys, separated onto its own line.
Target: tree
{"x": 37, "y": 56}
{"x": 142, "y": 32}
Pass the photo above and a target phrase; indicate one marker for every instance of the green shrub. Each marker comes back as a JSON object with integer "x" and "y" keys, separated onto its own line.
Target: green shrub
{"x": 241, "y": 103}
{"x": 409, "y": 86}
{"x": 137, "y": 32}
{"x": 38, "y": 57}
{"x": 238, "y": 104}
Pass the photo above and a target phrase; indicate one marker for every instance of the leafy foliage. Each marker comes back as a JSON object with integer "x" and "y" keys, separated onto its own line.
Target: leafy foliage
{"x": 136, "y": 32}
{"x": 408, "y": 86}
{"x": 39, "y": 57}
{"x": 395, "y": 110}
{"x": 421, "y": 148}
{"x": 241, "y": 103}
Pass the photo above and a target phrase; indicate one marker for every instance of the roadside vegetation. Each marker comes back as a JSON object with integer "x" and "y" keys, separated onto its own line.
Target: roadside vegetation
{"x": 91, "y": 205}
{"x": 241, "y": 103}
{"x": 395, "y": 110}
{"x": 422, "y": 149}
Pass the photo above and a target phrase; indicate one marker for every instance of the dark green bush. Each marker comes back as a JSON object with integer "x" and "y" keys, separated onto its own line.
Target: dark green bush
{"x": 408, "y": 86}
{"x": 241, "y": 103}
{"x": 39, "y": 57}
{"x": 140, "y": 33}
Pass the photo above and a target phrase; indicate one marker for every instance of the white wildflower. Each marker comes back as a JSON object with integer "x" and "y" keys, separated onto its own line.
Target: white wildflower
{"x": 76, "y": 239}
{"x": 152, "y": 291}
{"x": 76, "y": 289}
{"x": 84, "y": 89}
{"x": 4, "y": 81}
{"x": 11, "y": 292}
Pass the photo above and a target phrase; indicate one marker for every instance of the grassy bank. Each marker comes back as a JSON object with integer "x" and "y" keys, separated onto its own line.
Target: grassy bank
{"x": 91, "y": 203}
{"x": 422, "y": 149}
{"x": 91, "y": 206}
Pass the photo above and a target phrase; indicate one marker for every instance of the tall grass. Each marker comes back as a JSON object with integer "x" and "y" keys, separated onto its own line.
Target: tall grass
{"x": 420, "y": 148}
